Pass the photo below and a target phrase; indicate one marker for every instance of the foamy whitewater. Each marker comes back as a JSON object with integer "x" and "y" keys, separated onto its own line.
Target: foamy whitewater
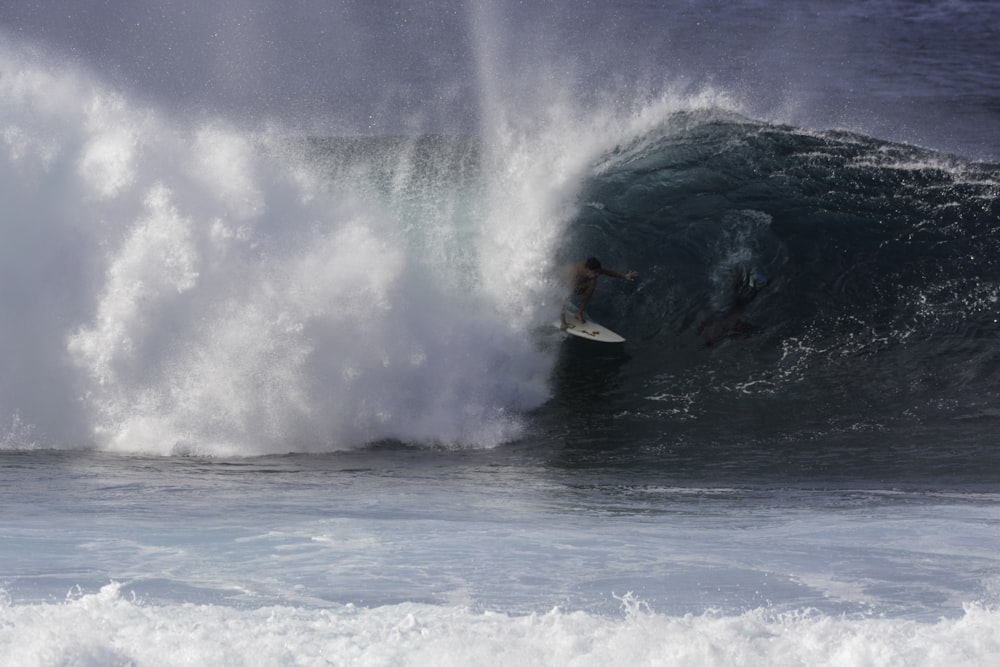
{"x": 279, "y": 377}
{"x": 224, "y": 298}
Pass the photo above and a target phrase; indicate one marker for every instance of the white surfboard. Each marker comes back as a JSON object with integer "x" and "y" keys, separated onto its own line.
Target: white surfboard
{"x": 590, "y": 329}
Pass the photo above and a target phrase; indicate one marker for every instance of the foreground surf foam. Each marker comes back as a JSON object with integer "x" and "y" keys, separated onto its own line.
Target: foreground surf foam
{"x": 104, "y": 628}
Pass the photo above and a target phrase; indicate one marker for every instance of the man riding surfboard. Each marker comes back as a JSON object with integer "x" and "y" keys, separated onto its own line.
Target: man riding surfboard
{"x": 581, "y": 278}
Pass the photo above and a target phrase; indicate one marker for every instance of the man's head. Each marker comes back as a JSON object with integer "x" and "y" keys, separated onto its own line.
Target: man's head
{"x": 592, "y": 264}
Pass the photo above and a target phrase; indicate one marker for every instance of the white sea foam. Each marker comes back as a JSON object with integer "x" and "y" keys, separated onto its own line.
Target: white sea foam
{"x": 106, "y": 628}
{"x": 222, "y": 297}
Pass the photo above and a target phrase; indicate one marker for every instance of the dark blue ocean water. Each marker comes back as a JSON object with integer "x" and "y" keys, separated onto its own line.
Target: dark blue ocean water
{"x": 280, "y": 384}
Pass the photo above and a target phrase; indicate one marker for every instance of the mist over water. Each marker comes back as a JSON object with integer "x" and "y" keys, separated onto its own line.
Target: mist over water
{"x": 902, "y": 70}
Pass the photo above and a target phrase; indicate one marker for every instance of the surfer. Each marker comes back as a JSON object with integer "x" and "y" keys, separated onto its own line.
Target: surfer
{"x": 581, "y": 278}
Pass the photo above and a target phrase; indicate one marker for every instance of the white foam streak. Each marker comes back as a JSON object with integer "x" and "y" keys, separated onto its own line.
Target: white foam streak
{"x": 224, "y": 164}
{"x": 107, "y": 163}
{"x": 105, "y": 628}
{"x": 156, "y": 261}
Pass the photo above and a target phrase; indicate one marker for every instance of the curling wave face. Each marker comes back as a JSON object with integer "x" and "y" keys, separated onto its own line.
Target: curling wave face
{"x": 796, "y": 287}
